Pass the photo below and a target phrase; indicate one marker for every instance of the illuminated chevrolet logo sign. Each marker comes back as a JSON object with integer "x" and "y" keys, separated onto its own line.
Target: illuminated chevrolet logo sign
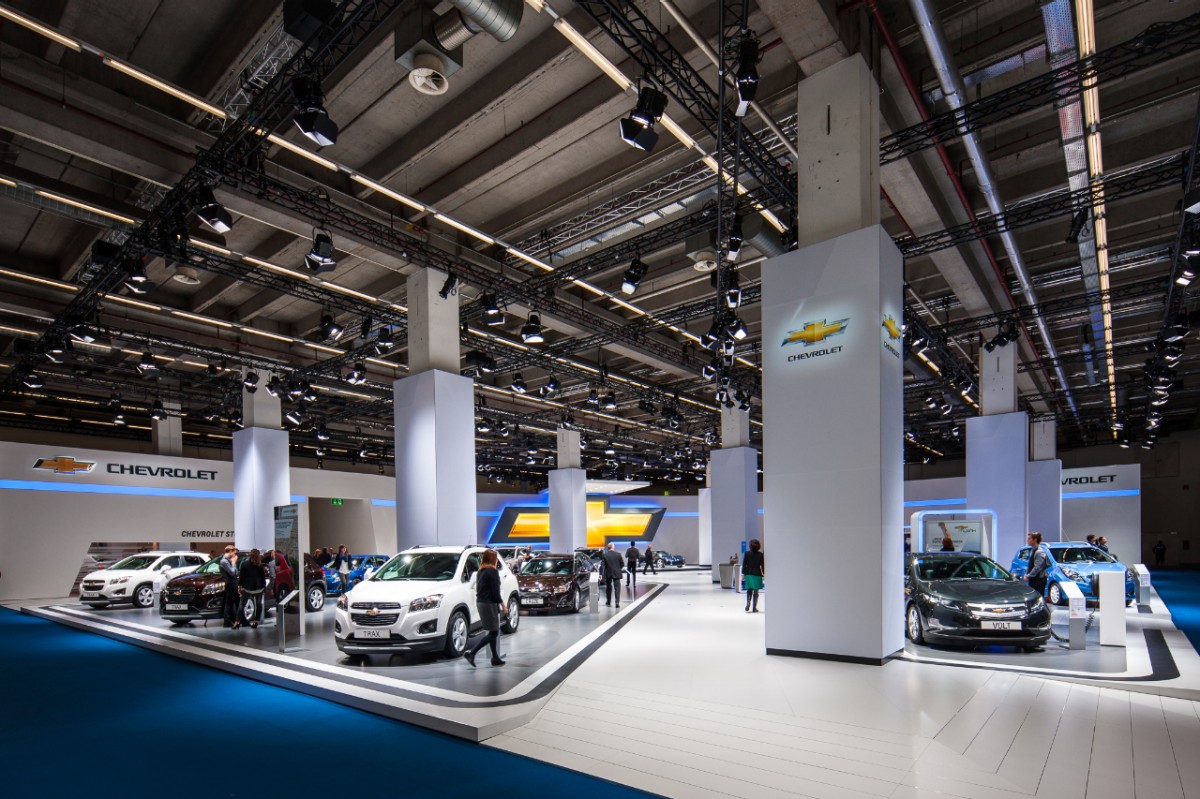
{"x": 893, "y": 329}
{"x": 815, "y": 332}
{"x": 64, "y": 464}
{"x": 528, "y": 524}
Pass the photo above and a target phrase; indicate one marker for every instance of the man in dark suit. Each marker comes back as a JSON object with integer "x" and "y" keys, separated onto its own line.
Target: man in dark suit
{"x": 632, "y": 556}
{"x": 613, "y": 566}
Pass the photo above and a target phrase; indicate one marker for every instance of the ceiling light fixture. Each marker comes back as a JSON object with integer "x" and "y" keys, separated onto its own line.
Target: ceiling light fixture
{"x": 633, "y": 276}
{"x": 311, "y": 118}
{"x": 383, "y": 341}
{"x": 146, "y": 366}
{"x": 637, "y": 130}
{"x": 211, "y": 212}
{"x": 746, "y": 75}
{"x": 250, "y": 382}
{"x": 330, "y": 329}
{"x": 449, "y": 287}
{"x": 518, "y": 384}
{"x": 320, "y": 258}
{"x": 531, "y": 333}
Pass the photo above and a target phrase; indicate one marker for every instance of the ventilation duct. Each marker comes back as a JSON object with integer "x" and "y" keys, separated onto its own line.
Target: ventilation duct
{"x": 187, "y": 275}
{"x": 701, "y": 248}
{"x": 762, "y": 237}
{"x": 430, "y": 47}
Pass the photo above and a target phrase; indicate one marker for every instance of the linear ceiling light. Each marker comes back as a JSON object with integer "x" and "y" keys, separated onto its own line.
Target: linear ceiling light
{"x": 162, "y": 85}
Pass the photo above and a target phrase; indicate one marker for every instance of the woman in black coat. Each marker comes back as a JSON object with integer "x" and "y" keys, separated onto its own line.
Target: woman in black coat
{"x": 229, "y": 570}
{"x": 491, "y": 606}
{"x": 252, "y": 579}
{"x": 753, "y": 571}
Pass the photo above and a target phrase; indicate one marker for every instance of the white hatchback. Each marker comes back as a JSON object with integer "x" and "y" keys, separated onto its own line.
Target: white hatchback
{"x": 422, "y": 600}
{"x": 137, "y": 578}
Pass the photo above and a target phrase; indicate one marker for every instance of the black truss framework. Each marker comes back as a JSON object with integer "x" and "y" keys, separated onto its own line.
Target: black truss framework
{"x": 1128, "y": 182}
{"x": 1155, "y": 45}
{"x": 650, "y": 49}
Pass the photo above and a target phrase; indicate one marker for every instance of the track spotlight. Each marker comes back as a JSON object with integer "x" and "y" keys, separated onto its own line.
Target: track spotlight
{"x": 135, "y": 276}
{"x": 735, "y": 238}
{"x": 118, "y": 418}
{"x": 531, "y": 332}
{"x": 311, "y": 118}
{"x": 736, "y": 329}
{"x": 309, "y": 394}
{"x": 33, "y": 380}
{"x": 552, "y": 384}
{"x": 320, "y": 258}
{"x": 235, "y": 419}
{"x": 212, "y": 370}
{"x": 610, "y": 402}
{"x": 710, "y": 369}
{"x": 633, "y": 276}
{"x": 593, "y": 398}
{"x": 157, "y": 411}
{"x": 274, "y": 386}
{"x": 1176, "y": 332}
{"x": 250, "y": 382}
{"x": 485, "y": 363}
{"x": 450, "y": 286}
{"x": 330, "y": 329}
{"x": 358, "y": 375}
{"x": 211, "y": 212}
{"x": 518, "y": 384}
{"x": 322, "y": 432}
{"x": 484, "y": 425}
{"x": 147, "y": 367}
{"x": 296, "y": 415}
{"x": 733, "y": 293}
{"x": 1078, "y": 222}
{"x": 746, "y": 75}
{"x": 722, "y": 394}
{"x": 384, "y": 341}
{"x": 711, "y": 337}
{"x": 638, "y": 128}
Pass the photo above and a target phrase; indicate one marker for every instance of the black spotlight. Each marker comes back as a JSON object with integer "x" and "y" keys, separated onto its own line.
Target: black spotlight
{"x": 135, "y": 276}
{"x": 1077, "y": 224}
{"x": 518, "y": 384}
{"x": 330, "y": 329}
{"x": 610, "y": 402}
{"x": 322, "y": 432}
{"x": 274, "y": 386}
{"x": 157, "y": 411}
{"x": 358, "y": 374}
{"x": 735, "y": 238}
{"x": 384, "y": 341}
{"x": 211, "y": 212}
{"x": 147, "y": 367}
{"x": 33, "y": 380}
{"x": 552, "y": 384}
{"x": 311, "y": 117}
{"x": 250, "y": 382}
{"x": 638, "y": 128}
{"x": 746, "y": 75}
{"x": 449, "y": 287}
{"x": 531, "y": 332}
{"x": 320, "y": 258}
{"x": 633, "y": 276}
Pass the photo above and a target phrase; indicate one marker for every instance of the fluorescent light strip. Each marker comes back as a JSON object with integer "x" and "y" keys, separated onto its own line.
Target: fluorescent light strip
{"x": 7, "y": 182}
{"x": 202, "y": 319}
{"x": 38, "y": 27}
{"x": 85, "y": 206}
{"x": 382, "y": 189}
{"x": 465, "y": 228}
{"x": 255, "y": 331}
{"x": 275, "y": 267}
{"x": 303, "y": 153}
{"x": 162, "y": 85}
{"x": 589, "y": 50}
{"x": 540, "y": 264}
{"x": 17, "y": 330}
{"x": 135, "y": 303}
{"x": 58, "y": 284}
{"x": 205, "y": 245}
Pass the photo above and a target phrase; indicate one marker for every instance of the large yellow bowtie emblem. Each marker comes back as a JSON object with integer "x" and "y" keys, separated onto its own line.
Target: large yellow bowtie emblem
{"x": 815, "y": 332}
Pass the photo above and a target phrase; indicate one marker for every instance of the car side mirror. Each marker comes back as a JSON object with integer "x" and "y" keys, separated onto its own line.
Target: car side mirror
{"x": 164, "y": 567}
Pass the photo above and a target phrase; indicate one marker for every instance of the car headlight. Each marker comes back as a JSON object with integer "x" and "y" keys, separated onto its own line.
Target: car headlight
{"x": 953, "y": 604}
{"x": 426, "y": 603}
{"x": 342, "y": 603}
{"x": 120, "y": 581}
{"x": 215, "y": 588}
{"x": 1073, "y": 575}
{"x": 1036, "y": 604}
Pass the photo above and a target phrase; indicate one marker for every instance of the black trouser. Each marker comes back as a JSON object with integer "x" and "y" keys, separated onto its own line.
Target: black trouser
{"x": 631, "y": 572}
{"x": 492, "y": 639}
{"x": 1038, "y": 584}
{"x": 612, "y": 585}
{"x": 649, "y": 564}
{"x": 233, "y": 604}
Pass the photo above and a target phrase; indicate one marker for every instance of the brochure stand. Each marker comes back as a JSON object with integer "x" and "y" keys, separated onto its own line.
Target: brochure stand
{"x": 281, "y": 621}
{"x": 1077, "y": 608}
{"x": 1143, "y": 578}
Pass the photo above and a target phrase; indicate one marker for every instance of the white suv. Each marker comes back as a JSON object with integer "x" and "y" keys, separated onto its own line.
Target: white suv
{"x": 136, "y": 578}
{"x": 422, "y": 600}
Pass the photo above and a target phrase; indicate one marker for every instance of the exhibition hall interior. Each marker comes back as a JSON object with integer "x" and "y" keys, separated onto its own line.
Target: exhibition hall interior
{"x": 788, "y": 398}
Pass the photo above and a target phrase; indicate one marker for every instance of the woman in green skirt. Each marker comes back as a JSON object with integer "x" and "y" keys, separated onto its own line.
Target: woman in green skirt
{"x": 752, "y": 573}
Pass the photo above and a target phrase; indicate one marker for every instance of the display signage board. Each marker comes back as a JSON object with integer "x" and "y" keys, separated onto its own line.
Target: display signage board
{"x": 967, "y": 535}
{"x": 71, "y": 466}
{"x": 628, "y": 520}
{"x": 1076, "y": 602}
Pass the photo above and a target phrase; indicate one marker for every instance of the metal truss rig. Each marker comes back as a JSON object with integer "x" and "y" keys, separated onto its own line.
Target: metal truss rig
{"x": 651, "y": 49}
{"x": 1130, "y": 182}
{"x": 1157, "y": 44}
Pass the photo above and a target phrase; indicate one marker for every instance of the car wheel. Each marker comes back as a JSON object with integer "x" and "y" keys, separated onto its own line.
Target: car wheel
{"x": 914, "y": 627}
{"x": 510, "y": 622}
{"x": 575, "y": 597}
{"x": 456, "y": 635}
{"x": 314, "y": 598}
{"x": 658, "y": 564}
{"x": 250, "y": 608}
{"x": 1055, "y": 594}
{"x": 143, "y": 596}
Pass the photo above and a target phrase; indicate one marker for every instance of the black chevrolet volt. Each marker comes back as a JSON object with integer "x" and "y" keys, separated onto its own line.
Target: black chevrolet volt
{"x": 964, "y": 598}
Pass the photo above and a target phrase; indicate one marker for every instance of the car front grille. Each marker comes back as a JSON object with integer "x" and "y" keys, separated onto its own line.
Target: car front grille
{"x": 92, "y": 585}
{"x": 999, "y": 612}
{"x": 382, "y": 620}
{"x": 174, "y": 595}
{"x": 375, "y": 605}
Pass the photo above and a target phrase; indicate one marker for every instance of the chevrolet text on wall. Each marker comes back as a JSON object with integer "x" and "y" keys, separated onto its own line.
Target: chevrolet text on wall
{"x": 65, "y": 464}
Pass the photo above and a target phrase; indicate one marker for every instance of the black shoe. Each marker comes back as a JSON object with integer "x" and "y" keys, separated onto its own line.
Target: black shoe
{"x": 497, "y": 662}
{"x": 470, "y": 658}
{"x": 609, "y": 605}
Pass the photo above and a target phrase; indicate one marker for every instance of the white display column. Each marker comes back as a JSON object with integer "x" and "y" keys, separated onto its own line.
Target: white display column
{"x": 1043, "y": 481}
{"x": 833, "y": 392}
{"x": 568, "y": 496}
{"x": 704, "y": 502}
{"x": 997, "y": 452}
{"x": 732, "y": 491}
{"x": 167, "y": 433}
{"x": 261, "y": 471}
{"x": 434, "y": 411}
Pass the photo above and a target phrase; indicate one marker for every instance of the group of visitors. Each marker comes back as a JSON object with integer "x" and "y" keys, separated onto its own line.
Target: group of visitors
{"x": 246, "y": 581}
{"x": 339, "y": 563}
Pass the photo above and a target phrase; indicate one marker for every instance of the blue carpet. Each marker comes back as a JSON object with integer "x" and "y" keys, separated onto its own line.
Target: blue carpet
{"x": 88, "y": 716}
{"x": 1180, "y": 589}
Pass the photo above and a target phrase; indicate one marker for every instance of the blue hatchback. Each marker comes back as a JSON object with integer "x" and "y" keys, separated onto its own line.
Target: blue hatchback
{"x": 1078, "y": 562}
{"x": 358, "y": 571}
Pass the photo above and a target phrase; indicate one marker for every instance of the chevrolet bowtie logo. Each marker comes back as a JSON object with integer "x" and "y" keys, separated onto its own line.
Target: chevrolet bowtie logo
{"x": 64, "y": 464}
{"x": 525, "y": 524}
{"x": 892, "y": 328}
{"x": 815, "y": 332}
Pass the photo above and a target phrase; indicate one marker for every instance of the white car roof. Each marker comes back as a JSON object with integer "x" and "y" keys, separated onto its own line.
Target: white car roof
{"x": 160, "y": 552}
{"x": 453, "y": 550}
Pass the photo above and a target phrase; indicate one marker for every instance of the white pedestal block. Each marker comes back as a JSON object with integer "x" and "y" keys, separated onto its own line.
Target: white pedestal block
{"x": 568, "y": 509}
{"x": 704, "y": 502}
{"x": 435, "y": 459}
{"x": 733, "y": 494}
{"x": 1043, "y": 488}
{"x": 1112, "y": 609}
{"x": 261, "y": 480}
{"x": 997, "y": 448}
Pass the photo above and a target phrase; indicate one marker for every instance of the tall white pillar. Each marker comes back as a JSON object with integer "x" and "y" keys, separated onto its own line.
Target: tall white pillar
{"x": 434, "y": 410}
{"x": 568, "y": 496}
{"x": 832, "y": 390}
{"x": 167, "y": 433}
{"x": 733, "y": 499}
{"x": 261, "y": 471}
{"x": 1043, "y": 481}
{"x": 704, "y": 501}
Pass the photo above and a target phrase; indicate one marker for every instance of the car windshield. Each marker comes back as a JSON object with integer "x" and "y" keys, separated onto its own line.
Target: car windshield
{"x": 134, "y": 562}
{"x": 548, "y": 566}
{"x": 1082, "y": 555}
{"x": 212, "y": 567}
{"x": 420, "y": 566}
{"x": 959, "y": 569}
{"x": 355, "y": 562}
{"x": 506, "y": 552}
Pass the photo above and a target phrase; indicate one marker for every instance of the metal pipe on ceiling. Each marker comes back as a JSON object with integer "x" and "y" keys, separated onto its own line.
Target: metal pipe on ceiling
{"x": 500, "y": 18}
{"x": 955, "y": 93}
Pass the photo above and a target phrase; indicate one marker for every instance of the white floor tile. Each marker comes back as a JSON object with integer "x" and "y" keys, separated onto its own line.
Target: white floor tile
{"x": 1154, "y": 771}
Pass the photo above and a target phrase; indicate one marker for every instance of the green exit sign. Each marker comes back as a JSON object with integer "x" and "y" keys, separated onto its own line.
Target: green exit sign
{"x": 336, "y": 501}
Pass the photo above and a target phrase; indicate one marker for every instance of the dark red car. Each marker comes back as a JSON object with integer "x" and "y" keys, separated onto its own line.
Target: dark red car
{"x": 201, "y": 594}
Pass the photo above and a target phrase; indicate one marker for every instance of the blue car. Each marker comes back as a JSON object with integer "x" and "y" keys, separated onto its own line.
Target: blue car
{"x": 1078, "y": 562}
{"x": 358, "y": 570}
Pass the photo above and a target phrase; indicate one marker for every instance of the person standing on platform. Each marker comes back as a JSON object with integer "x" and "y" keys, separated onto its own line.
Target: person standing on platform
{"x": 648, "y": 561}
{"x": 490, "y": 605}
{"x": 252, "y": 580}
{"x": 341, "y": 565}
{"x": 613, "y": 566}
{"x": 632, "y": 556}
{"x": 1039, "y": 564}
{"x": 1091, "y": 539}
{"x": 1160, "y": 553}
{"x": 229, "y": 570}
{"x": 1102, "y": 543}
{"x": 753, "y": 571}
